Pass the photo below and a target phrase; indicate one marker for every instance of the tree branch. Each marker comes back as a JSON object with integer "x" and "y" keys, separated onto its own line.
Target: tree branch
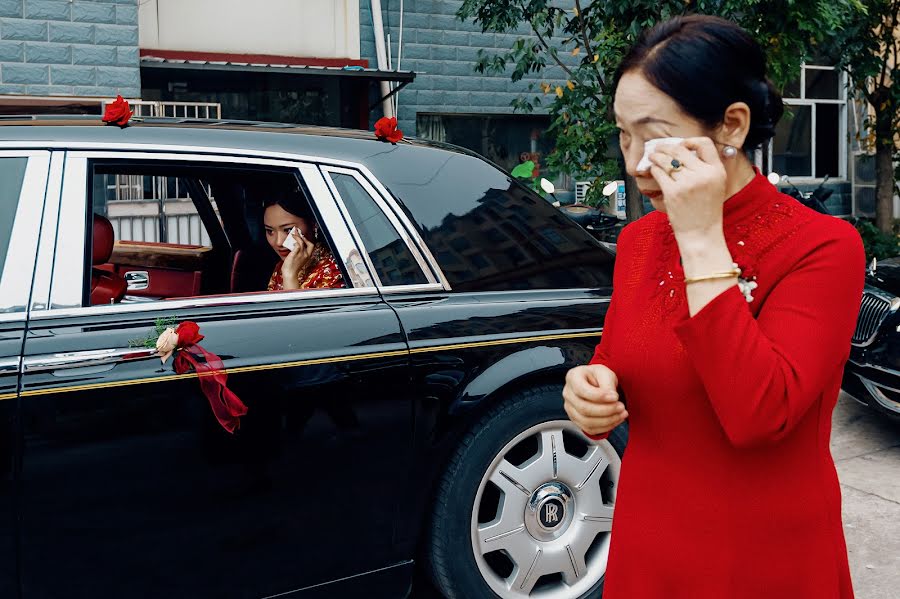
{"x": 550, "y": 51}
{"x": 568, "y": 71}
{"x": 587, "y": 47}
{"x": 895, "y": 8}
{"x": 583, "y": 27}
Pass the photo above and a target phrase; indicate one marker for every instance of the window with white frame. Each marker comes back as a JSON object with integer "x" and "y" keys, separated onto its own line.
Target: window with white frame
{"x": 810, "y": 139}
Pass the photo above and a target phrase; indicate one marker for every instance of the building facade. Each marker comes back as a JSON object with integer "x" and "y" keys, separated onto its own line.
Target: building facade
{"x": 317, "y": 62}
{"x": 277, "y": 60}
{"x": 818, "y": 138}
{"x": 449, "y": 101}
{"x": 59, "y": 52}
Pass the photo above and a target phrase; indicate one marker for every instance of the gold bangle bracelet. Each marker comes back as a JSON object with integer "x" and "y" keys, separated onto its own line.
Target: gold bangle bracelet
{"x": 731, "y": 274}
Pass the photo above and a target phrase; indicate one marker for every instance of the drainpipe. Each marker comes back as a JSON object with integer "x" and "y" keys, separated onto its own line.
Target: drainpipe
{"x": 399, "y": 54}
{"x": 387, "y": 105}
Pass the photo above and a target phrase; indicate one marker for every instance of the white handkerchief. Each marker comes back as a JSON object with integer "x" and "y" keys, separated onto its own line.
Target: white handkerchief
{"x": 290, "y": 242}
{"x": 650, "y": 146}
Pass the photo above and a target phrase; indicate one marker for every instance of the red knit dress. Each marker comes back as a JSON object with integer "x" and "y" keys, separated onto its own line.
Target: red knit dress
{"x": 728, "y": 489}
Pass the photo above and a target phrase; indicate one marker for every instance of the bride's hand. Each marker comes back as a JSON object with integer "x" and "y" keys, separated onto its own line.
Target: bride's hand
{"x": 296, "y": 261}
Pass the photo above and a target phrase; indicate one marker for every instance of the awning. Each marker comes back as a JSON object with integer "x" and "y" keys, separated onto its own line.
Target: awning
{"x": 271, "y": 64}
{"x": 286, "y": 65}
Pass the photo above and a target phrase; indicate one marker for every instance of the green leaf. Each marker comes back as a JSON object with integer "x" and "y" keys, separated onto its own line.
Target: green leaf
{"x": 524, "y": 170}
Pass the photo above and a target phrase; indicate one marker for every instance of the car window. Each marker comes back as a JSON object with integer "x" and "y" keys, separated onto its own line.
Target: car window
{"x": 157, "y": 209}
{"x": 391, "y": 258}
{"x": 161, "y": 231}
{"x": 12, "y": 174}
{"x": 486, "y": 231}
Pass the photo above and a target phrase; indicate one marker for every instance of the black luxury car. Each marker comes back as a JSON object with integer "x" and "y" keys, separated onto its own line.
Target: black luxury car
{"x": 408, "y": 421}
{"x": 872, "y": 375}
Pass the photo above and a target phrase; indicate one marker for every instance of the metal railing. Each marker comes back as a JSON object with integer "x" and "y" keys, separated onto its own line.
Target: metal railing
{"x": 155, "y": 209}
{"x": 181, "y": 229}
{"x": 186, "y": 110}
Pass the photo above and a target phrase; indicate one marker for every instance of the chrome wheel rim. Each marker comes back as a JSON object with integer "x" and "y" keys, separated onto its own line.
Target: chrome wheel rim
{"x": 543, "y": 512}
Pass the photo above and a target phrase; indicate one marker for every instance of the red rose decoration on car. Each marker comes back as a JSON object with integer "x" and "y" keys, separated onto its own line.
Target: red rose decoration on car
{"x": 188, "y": 333}
{"x": 117, "y": 113}
{"x": 386, "y": 130}
{"x": 182, "y": 342}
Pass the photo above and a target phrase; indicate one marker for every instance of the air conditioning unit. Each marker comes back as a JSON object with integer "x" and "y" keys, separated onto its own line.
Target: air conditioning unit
{"x": 581, "y": 189}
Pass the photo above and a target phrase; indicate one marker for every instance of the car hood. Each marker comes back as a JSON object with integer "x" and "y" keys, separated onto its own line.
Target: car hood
{"x": 887, "y": 276}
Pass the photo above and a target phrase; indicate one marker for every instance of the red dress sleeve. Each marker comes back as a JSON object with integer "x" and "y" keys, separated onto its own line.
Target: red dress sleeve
{"x": 762, "y": 374}
{"x": 603, "y": 353}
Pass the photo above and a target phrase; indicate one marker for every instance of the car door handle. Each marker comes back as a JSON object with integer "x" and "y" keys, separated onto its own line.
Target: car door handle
{"x": 137, "y": 280}
{"x": 83, "y": 359}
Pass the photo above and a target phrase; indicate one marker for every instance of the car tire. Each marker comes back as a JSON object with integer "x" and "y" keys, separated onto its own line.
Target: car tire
{"x": 525, "y": 505}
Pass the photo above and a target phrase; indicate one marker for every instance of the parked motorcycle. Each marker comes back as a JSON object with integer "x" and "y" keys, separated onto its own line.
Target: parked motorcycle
{"x": 597, "y": 223}
{"x": 814, "y": 199}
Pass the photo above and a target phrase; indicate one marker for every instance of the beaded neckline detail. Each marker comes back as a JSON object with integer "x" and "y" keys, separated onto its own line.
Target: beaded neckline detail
{"x": 751, "y": 219}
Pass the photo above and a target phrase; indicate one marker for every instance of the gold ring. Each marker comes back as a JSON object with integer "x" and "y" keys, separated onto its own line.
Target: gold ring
{"x": 676, "y": 166}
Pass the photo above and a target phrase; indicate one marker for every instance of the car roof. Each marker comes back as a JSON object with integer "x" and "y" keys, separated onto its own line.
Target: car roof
{"x": 206, "y": 134}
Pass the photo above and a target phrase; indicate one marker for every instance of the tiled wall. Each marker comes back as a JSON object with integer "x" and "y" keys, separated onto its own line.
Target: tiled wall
{"x": 69, "y": 47}
{"x": 443, "y": 50}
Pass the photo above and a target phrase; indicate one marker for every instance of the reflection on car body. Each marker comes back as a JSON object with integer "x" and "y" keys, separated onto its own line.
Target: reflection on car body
{"x": 466, "y": 298}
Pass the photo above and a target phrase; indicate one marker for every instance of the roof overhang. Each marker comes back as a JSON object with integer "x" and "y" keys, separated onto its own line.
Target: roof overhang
{"x": 286, "y": 65}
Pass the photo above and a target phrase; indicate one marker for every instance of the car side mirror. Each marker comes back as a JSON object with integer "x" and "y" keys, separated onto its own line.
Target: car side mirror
{"x": 547, "y": 186}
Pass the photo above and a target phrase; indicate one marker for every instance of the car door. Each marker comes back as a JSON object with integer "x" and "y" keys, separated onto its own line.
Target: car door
{"x": 130, "y": 486}
{"x": 23, "y": 183}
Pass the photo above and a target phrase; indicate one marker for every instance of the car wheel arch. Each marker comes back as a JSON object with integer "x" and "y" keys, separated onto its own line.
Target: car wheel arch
{"x": 535, "y": 365}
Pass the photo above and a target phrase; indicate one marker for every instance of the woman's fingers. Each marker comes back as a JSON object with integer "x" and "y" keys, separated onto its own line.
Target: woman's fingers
{"x": 596, "y": 425}
{"x": 705, "y": 148}
{"x": 664, "y": 155}
{"x": 593, "y": 409}
{"x": 593, "y": 383}
{"x": 663, "y": 179}
{"x": 682, "y": 154}
{"x": 591, "y": 399}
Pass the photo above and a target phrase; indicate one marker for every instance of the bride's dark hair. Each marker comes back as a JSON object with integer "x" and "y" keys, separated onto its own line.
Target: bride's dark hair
{"x": 291, "y": 199}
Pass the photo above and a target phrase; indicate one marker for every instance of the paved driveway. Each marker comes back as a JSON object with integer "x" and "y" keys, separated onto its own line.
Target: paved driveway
{"x": 866, "y": 450}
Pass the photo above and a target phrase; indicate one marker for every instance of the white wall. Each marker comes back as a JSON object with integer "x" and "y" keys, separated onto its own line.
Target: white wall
{"x": 309, "y": 28}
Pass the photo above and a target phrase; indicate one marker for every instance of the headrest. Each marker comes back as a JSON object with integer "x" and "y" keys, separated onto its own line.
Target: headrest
{"x": 104, "y": 238}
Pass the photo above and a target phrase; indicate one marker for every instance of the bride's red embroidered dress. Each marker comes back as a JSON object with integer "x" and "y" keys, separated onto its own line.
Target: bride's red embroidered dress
{"x": 322, "y": 272}
{"x": 728, "y": 489}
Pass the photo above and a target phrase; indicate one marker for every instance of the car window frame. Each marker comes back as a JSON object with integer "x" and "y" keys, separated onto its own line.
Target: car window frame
{"x": 66, "y": 270}
{"x": 407, "y": 225}
{"x": 433, "y": 283}
{"x": 16, "y": 287}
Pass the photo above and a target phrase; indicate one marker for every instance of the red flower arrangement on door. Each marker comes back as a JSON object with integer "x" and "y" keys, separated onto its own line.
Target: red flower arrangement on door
{"x": 183, "y": 341}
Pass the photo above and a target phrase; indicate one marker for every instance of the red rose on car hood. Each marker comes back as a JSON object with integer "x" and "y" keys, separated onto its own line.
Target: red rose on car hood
{"x": 188, "y": 333}
{"x": 386, "y": 130}
{"x": 117, "y": 113}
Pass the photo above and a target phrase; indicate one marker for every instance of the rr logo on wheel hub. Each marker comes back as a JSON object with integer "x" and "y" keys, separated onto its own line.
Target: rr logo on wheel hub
{"x": 549, "y": 511}
{"x": 552, "y": 513}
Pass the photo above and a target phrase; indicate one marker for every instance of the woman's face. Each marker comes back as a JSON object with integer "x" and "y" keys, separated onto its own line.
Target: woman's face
{"x": 278, "y": 223}
{"x": 643, "y": 112}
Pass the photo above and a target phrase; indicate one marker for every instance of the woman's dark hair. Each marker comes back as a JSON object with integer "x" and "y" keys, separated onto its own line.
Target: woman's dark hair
{"x": 706, "y": 64}
{"x": 290, "y": 198}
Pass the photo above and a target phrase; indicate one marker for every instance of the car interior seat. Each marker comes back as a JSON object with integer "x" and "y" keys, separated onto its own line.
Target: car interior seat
{"x": 107, "y": 287}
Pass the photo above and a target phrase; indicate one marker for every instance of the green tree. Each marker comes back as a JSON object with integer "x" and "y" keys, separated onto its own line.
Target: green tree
{"x": 868, "y": 48}
{"x": 587, "y": 40}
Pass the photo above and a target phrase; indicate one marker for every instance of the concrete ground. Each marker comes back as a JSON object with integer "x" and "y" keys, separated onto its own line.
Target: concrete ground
{"x": 866, "y": 450}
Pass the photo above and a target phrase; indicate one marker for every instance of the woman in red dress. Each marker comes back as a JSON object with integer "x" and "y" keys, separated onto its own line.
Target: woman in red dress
{"x": 730, "y": 322}
{"x": 310, "y": 265}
